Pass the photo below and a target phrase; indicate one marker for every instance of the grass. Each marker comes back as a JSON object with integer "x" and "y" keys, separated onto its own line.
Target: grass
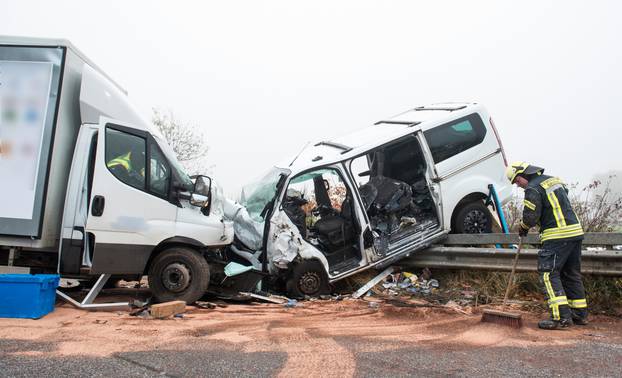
{"x": 604, "y": 294}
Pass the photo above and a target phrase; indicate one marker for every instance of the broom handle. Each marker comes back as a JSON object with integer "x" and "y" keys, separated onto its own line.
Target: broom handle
{"x": 511, "y": 280}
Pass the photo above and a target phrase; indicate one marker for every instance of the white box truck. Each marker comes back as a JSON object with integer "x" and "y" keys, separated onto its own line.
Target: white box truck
{"x": 88, "y": 187}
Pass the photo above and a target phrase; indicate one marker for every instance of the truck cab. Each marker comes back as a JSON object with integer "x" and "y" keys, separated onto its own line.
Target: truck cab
{"x": 110, "y": 196}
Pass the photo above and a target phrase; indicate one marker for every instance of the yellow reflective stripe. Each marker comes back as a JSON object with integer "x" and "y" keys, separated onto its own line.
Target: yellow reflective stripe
{"x": 115, "y": 162}
{"x": 568, "y": 228}
{"x": 562, "y": 232}
{"x": 551, "y": 294}
{"x": 577, "y": 303}
{"x": 557, "y": 210}
{"x": 121, "y": 160}
{"x": 561, "y": 300}
{"x": 563, "y": 236}
{"x": 528, "y": 204}
{"x": 546, "y": 184}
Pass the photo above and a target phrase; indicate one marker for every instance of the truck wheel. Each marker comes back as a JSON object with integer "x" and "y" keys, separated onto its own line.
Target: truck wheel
{"x": 307, "y": 278}
{"x": 473, "y": 218}
{"x": 179, "y": 274}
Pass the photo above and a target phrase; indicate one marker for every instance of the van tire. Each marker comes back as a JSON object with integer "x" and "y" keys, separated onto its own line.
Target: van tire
{"x": 307, "y": 278}
{"x": 473, "y": 218}
{"x": 179, "y": 274}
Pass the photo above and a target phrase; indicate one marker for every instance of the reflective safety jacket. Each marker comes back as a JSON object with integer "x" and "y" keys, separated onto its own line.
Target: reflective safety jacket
{"x": 123, "y": 160}
{"x": 547, "y": 205}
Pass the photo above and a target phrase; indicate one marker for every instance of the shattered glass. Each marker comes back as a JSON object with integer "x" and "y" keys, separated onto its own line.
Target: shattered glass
{"x": 256, "y": 195}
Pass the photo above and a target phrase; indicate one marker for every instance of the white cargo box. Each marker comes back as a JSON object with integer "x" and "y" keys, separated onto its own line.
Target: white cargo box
{"x": 40, "y": 82}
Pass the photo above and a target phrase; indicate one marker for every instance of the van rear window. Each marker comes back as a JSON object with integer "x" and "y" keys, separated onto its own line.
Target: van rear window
{"x": 455, "y": 137}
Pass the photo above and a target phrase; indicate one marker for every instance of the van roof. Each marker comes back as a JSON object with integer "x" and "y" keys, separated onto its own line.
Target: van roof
{"x": 326, "y": 152}
{"x": 55, "y": 42}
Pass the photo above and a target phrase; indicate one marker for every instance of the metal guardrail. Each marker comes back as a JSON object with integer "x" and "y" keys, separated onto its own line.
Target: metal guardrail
{"x": 458, "y": 252}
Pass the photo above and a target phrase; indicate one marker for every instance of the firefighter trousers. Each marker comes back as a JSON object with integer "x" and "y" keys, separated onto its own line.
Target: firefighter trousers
{"x": 559, "y": 266}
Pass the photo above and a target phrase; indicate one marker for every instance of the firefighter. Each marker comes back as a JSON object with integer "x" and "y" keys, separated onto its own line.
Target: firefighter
{"x": 547, "y": 205}
{"x": 129, "y": 167}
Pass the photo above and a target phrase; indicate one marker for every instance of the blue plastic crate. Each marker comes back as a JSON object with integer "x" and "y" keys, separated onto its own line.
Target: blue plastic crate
{"x": 27, "y": 295}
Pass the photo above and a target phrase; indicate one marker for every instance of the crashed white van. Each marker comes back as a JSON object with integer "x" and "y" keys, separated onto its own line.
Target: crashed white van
{"x": 371, "y": 197}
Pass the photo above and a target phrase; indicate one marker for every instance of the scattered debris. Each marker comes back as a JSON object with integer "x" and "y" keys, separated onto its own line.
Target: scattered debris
{"x": 291, "y": 303}
{"x": 374, "y": 281}
{"x": 164, "y": 310}
{"x": 272, "y": 298}
{"x": 594, "y": 335}
{"x": 68, "y": 283}
{"x": 206, "y": 305}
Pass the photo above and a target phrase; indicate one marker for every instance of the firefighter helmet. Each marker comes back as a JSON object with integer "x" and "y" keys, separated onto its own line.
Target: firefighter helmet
{"x": 521, "y": 168}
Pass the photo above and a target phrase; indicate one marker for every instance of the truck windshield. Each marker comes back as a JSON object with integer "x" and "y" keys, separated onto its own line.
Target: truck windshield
{"x": 175, "y": 165}
{"x": 256, "y": 195}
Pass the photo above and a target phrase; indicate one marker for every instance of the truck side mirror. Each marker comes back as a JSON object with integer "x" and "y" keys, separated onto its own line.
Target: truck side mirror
{"x": 199, "y": 200}
{"x": 202, "y": 192}
{"x": 202, "y": 185}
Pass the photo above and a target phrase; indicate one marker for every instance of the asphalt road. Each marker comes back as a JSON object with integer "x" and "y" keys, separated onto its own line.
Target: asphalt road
{"x": 594, "y": 359}
{"x": 319, "y": 339}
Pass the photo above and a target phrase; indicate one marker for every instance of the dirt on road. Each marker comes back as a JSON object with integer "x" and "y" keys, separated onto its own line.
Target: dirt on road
{"x": 320, "y": 338}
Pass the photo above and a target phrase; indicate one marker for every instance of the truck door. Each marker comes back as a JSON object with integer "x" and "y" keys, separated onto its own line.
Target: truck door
{"x": 131, "y": 209}
{"x": 76, "y": 245}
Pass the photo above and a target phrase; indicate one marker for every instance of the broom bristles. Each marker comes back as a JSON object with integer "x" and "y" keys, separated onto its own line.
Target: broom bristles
{"x": 509, "y": 319}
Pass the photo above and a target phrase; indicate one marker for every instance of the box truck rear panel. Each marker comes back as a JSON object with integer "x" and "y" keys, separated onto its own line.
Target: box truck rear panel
{"x": 30, "y": 79}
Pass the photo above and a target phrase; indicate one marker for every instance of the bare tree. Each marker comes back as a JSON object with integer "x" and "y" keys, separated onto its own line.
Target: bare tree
{"x": 598, "y": 207}
{"x": 187, "y": 141}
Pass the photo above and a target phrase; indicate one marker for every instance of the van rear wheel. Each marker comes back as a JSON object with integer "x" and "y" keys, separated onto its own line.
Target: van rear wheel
{"x": 179, "y": 274}
{"x": 473, "y": 218}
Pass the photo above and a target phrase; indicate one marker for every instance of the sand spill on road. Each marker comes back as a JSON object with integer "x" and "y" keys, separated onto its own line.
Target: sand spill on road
{"x": 312, "y": 336}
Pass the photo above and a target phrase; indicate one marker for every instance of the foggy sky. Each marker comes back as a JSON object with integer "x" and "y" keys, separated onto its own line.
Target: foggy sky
{"x": 263, "y": 78}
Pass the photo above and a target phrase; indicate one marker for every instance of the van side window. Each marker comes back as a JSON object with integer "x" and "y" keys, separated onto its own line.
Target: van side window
{"x": 455, "y": 137}
{"x": 125, "y": 157}
{"x": 160, "y": 174}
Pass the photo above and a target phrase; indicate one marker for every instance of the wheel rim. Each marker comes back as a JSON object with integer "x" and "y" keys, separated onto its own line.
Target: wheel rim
{"x": 309, "y": 283}
{"x": 176, "y": 277}
{"x": 475, "y": 222}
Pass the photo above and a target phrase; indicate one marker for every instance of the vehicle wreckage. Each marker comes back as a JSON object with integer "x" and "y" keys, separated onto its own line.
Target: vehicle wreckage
{"x": 365, "y": 200}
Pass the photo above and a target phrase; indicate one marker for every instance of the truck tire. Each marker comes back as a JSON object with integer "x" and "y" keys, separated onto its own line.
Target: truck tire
{"x": 179, "y": 274}
{"x": 473, "y": 218}
{"x": 307, "y": 278}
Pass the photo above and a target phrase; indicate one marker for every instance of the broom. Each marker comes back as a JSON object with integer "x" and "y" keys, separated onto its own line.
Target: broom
{"x": 510, "y": 319}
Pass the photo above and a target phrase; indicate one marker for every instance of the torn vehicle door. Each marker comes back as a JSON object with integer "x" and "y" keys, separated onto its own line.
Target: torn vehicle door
{"x": 394, "y": 186}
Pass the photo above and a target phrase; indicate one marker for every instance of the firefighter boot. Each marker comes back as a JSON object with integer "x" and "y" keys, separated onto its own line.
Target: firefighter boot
{"x": 554, "y": 324}
{"x": 564, "y": 320}
{"x": 579, "y": 316}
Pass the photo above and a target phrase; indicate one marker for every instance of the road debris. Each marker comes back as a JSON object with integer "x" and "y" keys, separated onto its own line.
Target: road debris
{"x": 164, "y": 310}
{"x": 373, "y": 282}
{"x": 205, "y": 305}
{"x": 270, "y": 298}
{"x": 291, "y": 303}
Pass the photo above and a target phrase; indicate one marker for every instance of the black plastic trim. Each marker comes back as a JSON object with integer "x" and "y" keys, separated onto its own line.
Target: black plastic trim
{"x": 120, "y": 258}
{"x": 183, "y": 240}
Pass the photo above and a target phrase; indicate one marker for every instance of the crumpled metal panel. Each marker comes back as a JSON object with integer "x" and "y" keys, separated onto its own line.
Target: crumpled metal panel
{"x": 286, "y": 243}
{"x": 247, "y": 230}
